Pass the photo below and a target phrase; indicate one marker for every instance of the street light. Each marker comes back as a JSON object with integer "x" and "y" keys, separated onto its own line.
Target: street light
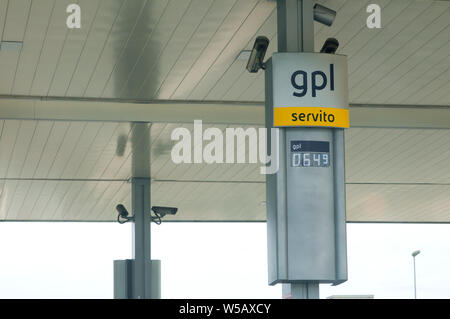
{"x": 414, "y": 254}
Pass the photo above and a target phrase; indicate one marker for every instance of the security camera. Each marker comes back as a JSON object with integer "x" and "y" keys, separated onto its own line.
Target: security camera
{"x": 159, "y": 211}
{"x": 330, "y": 46}
{"x": 323, "y": 14}
{"x": 255, "y": 61}
{"x": 123, "y": 213}
{"x": 163, "y": 211}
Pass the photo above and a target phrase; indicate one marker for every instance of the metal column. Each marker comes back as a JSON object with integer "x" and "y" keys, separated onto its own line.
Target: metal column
{"x": 140, "y": 193}
{"x": 139, "y": 277}
{"x": 296, "y": 34}
{"x": 295, "y": 26}
{"x": 141, "y": 237}
{"x": 301, "y": 291}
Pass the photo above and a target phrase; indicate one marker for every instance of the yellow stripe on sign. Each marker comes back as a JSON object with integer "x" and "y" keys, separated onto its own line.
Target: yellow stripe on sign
{"x": 310, "y": 116}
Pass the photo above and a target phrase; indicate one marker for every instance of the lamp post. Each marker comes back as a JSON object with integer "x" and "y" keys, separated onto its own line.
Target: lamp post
{"x": 414, "y": 254}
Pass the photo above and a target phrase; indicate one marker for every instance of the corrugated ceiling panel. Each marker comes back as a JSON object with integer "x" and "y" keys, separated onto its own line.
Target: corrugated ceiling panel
{"x": 147, "y": 25}
{"x": 50, "y": 50}
{"x": 212, "y": 201}
{"x": 187, "y": 49}
{"x": 162, "y": 52}
{"x": 397, "y": 156}
{"x": 205, "y": 31}
{"x": 214, "y": 47}
{"x": 74, "y": 44}
{"x": 38, "y": 23}
{"x": 9, "y": 133}
{"x": 398, "y": 203}
{"x": 3, "y": 10}
{"x": 392, "y": 174}
{"x": 16, "y": 20}
{"x": 239, "y": 41}
{"x": 94, "y": 46}
{"x": 14, "y": 30}
{"x": 428, "y": 24}
{"x": 115, "y": 44}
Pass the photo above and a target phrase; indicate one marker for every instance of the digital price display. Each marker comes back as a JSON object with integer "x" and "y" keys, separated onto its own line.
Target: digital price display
{"x": 310, "y": 154}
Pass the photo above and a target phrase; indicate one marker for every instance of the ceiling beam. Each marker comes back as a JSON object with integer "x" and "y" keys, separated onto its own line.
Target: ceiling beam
{"x": 216, "y": 112}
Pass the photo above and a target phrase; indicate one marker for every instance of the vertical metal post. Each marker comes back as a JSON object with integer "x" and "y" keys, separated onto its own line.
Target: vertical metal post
{"x": 295, "y": 26}
{"x": 296, "y": 34}
{"x": 139, "y": 277}
{"x": 141, "y": 236}
{"x": 140, "y": 192}
{"x": 414, "y": 254}
{"x": 301, "y": 291}
{"x": 414, "y": 262}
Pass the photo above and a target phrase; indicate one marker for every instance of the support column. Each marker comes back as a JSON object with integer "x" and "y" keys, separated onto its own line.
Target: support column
{"x": 296, "y": 34}
{"x": 301, "y": 291}
{"x": 141, "y": 238}
{"x": 140, "y": 193}
{"x": 295, "y": 26}
{"x": 139, "y": 277}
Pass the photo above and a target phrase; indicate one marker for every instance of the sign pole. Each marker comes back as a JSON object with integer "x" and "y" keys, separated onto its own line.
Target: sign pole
{"x": 306, "y": 197}
{"x": 140, "y": 193}
{"x": 296, "y": 34}
{"x": 139, "y": 277}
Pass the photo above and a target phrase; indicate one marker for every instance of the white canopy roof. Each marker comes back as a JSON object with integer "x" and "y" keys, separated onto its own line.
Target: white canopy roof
{"x": 68, "y": 95}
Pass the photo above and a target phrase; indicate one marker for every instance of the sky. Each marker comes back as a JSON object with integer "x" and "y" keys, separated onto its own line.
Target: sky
{"x": 212, "y": 260}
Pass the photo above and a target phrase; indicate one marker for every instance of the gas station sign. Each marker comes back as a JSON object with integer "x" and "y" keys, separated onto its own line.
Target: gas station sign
{"x": 309, "y": 89}
{"x": 306, "y": 97}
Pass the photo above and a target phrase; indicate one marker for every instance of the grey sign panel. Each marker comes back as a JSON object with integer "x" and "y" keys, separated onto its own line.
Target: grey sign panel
{"x": 306, "y": 204}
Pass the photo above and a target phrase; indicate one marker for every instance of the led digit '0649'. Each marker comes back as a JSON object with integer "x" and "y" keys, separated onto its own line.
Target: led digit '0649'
{"x": 310, "y": 153}
{"x": 310, "y": 159}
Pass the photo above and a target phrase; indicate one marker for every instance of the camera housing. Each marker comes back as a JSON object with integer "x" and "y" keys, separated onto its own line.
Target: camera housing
{"x": 122, "y": 211}
{"x": 324, "y": 15}
{"x": 162, "y": 211}
{"x": 330, "y": 46}
{"x": 123, "y": 216}
{"x": 255, "y": 61}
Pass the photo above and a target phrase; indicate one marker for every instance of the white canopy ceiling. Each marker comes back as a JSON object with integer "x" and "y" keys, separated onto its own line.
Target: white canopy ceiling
{"x": 68, "y": 95}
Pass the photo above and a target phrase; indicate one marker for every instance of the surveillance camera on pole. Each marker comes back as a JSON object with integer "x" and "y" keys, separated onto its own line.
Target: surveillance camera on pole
{"x": 123, "y": 217}
{"x": 163, "y": 211}
{"x": 330, "y": 46}
{"x": 159, "y": 211}
{"x": 324, "y": 15}
{"x": 256, "y": 59}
